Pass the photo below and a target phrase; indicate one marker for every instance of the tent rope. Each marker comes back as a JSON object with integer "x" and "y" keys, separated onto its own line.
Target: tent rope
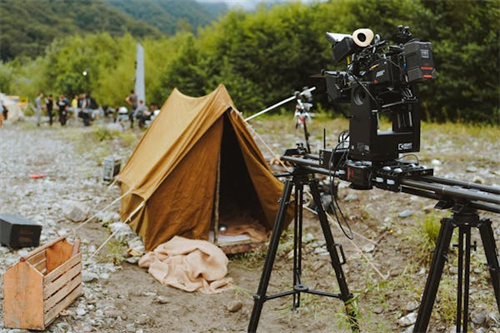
{"x": 116, "y": 231}
{"x": 100, "y": 211}
{"x": 267, "y": 146}
{"x": 354, "y": 244}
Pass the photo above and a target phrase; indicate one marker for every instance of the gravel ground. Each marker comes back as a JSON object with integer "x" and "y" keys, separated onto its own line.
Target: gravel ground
{"x": 120, "y": 297}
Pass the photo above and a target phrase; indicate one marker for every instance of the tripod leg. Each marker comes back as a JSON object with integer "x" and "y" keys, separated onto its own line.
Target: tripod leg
{"x": 434, "y": 277}
{"x": 297, "y": 242}
{"x": 260, "y": 297}
{"x": 491, "y": 251}
{"x": 460, "y": 283}
{"x": 346, "y": 296}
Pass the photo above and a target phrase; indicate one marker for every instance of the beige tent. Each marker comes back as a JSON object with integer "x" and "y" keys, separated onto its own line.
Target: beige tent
{"x": 197, "y": 169}
{"x": 12, "y": 104}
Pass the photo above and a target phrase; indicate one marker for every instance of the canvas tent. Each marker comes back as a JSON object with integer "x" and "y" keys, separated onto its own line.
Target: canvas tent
{"x": 197, "y": 167}
{"x": 11, "y": 103}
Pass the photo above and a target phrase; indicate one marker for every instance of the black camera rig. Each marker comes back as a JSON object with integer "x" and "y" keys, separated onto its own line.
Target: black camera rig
{"x": 382, "y": 79}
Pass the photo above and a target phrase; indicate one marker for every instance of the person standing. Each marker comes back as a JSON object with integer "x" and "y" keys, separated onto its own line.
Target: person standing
{"x": 63, "y": 109}
{"x": 38, "y": 109}
{"x": 49, "y": 105}
{"x": 74, "y": 106}
{"x": 132, "y": 101}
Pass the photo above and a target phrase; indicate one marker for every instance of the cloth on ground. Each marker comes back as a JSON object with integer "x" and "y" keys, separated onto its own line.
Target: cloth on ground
{"x": 189, "y": 265}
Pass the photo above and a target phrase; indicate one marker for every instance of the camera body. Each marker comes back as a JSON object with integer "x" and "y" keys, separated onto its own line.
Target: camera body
{"x": 380, "y": 79}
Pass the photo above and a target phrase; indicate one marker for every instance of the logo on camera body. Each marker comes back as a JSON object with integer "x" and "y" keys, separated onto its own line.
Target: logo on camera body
{"x": 405, "y": 146}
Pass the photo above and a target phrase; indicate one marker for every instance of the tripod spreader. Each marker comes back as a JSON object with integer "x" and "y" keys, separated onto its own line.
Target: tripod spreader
{"x": 300, "y": 178}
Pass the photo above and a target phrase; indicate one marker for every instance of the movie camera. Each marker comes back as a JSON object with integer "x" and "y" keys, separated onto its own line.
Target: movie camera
{"x": 382, "y": 79}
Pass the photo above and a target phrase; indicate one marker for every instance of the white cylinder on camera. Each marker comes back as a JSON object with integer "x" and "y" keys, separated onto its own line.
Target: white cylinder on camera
{"x": 362, "y": 37}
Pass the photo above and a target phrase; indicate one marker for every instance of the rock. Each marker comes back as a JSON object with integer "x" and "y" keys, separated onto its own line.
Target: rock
{"x": 350, "y": 197}
{"x": 405, "y": 214}
{"x": 493, "y": 318}
{"x": 81, "y": 312}
{"x": 133, "y": 260}
{"x": 75, "y": 211}
{"x": 111, "y": 312}
{"x": 436, "y": 162}
{"x": 478, "y": 316}
{"x": 471, "y": 169}
{"x": 478, "y": 179}
{"x": 235, "y": 306}
{"x": 412, "y": 306}
{"x": 4, "y": 250}
{"x": 408, "y": 320}
{"x": 123, "y": 231}
{"x": 143, "y": 319}
{"x": 162, "y": 299}
{"x": 368, "y": 248}
{"x": 130, "y": 327}
{"x": 89, "y": 276}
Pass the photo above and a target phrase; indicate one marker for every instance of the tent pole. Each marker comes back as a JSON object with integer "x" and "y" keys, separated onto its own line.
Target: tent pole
{"x": 216, "y": 203}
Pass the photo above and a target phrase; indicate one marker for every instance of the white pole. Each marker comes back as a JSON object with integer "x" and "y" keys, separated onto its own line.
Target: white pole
{"x": 277, "y": 104}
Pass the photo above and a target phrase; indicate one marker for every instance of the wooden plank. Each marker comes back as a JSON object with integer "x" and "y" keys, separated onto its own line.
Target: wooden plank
{"x": 54, "y": 312}
{"x": 23, "y": 302}
{"x": 36, "y": 258}
{"x": 56, "y": 273}
{"x": 58, "y": 254}
{"x": 62, "y": 293}
{"x": 41, "y": 248}
{"x": 41, "y": 266}
{"x": 51, "y": 287}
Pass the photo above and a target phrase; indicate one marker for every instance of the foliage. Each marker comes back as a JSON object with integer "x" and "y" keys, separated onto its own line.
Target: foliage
{"x": 168, "y": 15}
{"x": 261, "y": 57}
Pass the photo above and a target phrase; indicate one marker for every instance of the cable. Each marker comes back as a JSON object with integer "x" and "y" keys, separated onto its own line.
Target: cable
{"x": 335, "y": 204}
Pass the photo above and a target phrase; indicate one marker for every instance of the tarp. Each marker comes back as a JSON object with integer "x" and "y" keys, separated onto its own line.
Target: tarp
{"x": 196, "y": 161}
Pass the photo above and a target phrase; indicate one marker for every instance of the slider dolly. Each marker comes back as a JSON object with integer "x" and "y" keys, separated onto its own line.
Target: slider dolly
{"x": 464, "y": 218}
{"x": 300, "y": 177}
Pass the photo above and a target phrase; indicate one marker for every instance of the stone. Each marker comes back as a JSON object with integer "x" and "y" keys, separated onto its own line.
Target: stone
{"x": 471, "y": 169}
{"x": 235, "y": 306}
{"x": 75, "y": 211}
{"x": 350, "y": 197}
{"x": 143, "y": 319}
{"x": 408, "y": 320}
{"x": 162, "y": 299}
{"x": 89, "y": 276}
{"x": 478, "y": 316}
{"x": 130, "y": 327}
{"x": 405, "y": 214}
{"x": 412, "y": 306}
{"x": 368, "y": 248}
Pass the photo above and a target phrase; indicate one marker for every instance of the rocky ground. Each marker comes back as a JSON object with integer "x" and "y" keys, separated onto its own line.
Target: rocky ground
{"x": 386, "y": 265}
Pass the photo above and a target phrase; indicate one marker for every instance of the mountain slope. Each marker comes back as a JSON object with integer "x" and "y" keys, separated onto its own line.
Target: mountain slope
{"x": 27, "y": 27}
{"x": 168, "y": 15}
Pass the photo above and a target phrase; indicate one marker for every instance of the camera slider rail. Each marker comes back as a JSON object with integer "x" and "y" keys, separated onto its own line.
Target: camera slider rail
{"x": 462, "y": 198}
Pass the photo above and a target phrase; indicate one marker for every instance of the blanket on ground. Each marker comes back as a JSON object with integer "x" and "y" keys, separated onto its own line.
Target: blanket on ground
{"x": 189, "y": 265}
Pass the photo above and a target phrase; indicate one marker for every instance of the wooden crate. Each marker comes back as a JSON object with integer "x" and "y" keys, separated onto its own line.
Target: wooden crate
{"x": 42, "y": 284}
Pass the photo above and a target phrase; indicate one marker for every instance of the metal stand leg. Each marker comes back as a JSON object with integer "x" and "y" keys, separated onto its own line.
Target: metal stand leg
{"x": 465, "y": 220}
{"x": 260, "y": 297}
{"x": 299, "y": 180}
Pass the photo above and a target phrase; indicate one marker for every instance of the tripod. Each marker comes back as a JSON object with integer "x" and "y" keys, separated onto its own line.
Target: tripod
{"x": 300, "y": 177}
{"x": 463, "y": 218}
